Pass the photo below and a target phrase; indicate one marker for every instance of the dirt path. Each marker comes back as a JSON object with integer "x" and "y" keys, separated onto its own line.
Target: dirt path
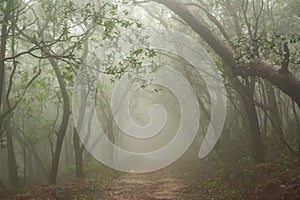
{"x": 165, "y": 184}
{"x": 175, "y": 183}
{"x": 162, "y": 184}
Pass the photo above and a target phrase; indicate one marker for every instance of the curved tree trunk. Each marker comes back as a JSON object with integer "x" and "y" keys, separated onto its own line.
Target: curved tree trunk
{"x": 64, "y": 123}
{"x": 227, "y": 56}
{"x": 286, "y": 82}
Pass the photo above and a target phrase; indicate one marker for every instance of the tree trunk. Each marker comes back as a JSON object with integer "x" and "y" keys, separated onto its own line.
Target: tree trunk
{"x": 76, "y": 131}
{"x": 110, "y": 135}
{"x": 78, "y": 155}
{"x": 12, "y": 164}
{"x": 286, "y": 82}
{"x": 4, "y": 34}
{"x": 274, "y": 113}
{"x": 257, "y": 143}
{"x": 298, "y": 127}
{"x": 64, "y": 123}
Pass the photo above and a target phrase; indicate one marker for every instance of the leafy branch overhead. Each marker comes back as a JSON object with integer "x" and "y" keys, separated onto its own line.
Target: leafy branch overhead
{"x": 276, "y": 48}
{"x": 257, "y": 66}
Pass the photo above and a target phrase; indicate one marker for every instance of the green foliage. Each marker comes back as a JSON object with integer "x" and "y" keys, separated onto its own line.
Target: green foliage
{"x": 243, "y": 179}
{"x": 269, "y": 47}
{"x": 133, "y": 64}
{"x": 109, "y": 18}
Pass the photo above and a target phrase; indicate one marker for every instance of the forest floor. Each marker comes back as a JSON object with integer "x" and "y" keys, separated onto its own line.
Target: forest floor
{"x": 189, "y": 182}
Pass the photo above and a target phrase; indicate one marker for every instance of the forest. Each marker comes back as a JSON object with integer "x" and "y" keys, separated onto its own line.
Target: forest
{"x": 150, "y": 99}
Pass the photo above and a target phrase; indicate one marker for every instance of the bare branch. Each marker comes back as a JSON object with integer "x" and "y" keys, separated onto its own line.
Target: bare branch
{"x": 214, "y": 20}
{"x": 20, "y": 97}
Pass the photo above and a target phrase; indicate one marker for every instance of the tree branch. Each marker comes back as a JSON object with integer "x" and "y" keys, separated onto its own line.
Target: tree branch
{"x": 286, "y": 82}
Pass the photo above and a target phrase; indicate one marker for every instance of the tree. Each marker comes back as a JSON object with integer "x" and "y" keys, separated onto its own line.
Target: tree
{"x": 255, "y": 65}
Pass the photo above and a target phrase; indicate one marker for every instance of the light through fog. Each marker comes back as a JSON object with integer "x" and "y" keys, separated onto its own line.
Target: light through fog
{"x": 154, "y": 99}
